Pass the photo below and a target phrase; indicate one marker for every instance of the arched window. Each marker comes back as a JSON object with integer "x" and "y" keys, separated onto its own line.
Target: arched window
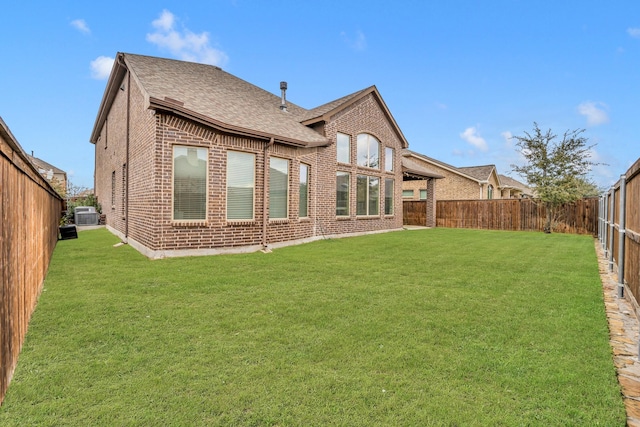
{"x": 490, "y": 192}
{"x": 368, "y": 151}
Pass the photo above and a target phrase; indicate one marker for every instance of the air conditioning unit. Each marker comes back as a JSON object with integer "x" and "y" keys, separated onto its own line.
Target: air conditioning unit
{"x": 86, "y": 215}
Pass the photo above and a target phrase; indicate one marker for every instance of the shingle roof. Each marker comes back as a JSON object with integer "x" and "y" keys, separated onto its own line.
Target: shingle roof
{"x": 507, "y": 181}
{"x": 481, "y": 173}
{"x": 41, "y": 164}
{"x": 214, "y": 95}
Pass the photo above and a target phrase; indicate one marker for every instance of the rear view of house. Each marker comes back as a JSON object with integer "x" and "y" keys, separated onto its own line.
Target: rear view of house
{"x": 193, "y": 160}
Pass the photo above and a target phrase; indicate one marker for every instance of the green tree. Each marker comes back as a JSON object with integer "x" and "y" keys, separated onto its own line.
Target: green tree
{"x": 556, "y": 169}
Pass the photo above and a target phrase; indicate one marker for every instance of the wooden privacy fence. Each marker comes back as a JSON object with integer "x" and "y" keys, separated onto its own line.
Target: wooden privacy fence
{"x": 619, "y": 231}
{"x": 580, "y": 217}
{"x": 30, "y": 210}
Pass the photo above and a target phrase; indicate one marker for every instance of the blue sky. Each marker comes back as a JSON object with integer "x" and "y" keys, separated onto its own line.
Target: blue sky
{"x": 460, "y": 77}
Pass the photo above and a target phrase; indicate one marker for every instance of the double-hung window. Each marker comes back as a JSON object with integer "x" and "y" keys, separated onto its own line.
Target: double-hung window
{"x": 240, "y": 185}
{"x": 368, "y": 195}
{"x": 189, "y": 183}
{"x": 278, "y": 188}
{"x": 368, "y": 151}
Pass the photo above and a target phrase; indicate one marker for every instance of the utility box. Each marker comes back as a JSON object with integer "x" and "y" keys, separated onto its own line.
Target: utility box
{"x": 68, "y": 232}
{"x": 86, "y": 215}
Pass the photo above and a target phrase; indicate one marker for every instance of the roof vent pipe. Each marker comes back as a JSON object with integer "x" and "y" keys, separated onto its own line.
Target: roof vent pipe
{"x": 283, "y": 88}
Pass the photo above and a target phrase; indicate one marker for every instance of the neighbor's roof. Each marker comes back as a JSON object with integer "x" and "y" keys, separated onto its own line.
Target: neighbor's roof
{"x": 443, "y": 165}
{"x": 209, "y": 95}
{"x": 412, "y": 167}
{"x": 481, "y": 173}
{"x": 507, "y": 181}
{"x": 41, "y": 164}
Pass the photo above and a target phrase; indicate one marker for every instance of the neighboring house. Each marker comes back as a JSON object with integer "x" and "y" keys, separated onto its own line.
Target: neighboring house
{"x": 419, "y": 183}
{"x": 514, "y": 189}
{"x": 193, "y": 160}
{"x": 56, "y": 177}
{"x": 465, "y": 183}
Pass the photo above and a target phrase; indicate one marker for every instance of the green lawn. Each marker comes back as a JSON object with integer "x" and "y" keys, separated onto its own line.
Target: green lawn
{"x": 435, "y": 327}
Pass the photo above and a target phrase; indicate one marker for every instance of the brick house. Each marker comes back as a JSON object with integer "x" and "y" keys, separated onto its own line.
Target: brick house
{"x": 192, "y": 160}
{"x": 514, "y": 189}
{"x": 56, "y": 176}
{"x": 464, "y": 183}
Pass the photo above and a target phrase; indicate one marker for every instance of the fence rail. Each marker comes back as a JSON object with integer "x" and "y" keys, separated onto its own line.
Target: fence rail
{"x": 580, "y": 217}
{"x": 619, "y": 231}
{"x": 30, "y": 210}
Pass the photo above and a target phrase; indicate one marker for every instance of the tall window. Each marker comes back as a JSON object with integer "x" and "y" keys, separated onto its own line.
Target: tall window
{"x": 303, "y": 210}
{"x": 368, "y": 151}
{"x": 342, "y": 193}
{"x": 490, "y": 192}
{"x": 240, "y": 185}
{"x": 343, "y": 147}
{"x": 388, "y": 196}
{"x": 278, "y": 188}
{"x": 189, "y": 183}
{"x": 367, "y": 195}
{"x": 388, "y": 159}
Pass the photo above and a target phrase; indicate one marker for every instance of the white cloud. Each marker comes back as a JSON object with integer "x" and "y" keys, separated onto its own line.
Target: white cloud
{"x": 81, "y": 25}
{"x": 634, "y": 32}
{"x": 508, "y": 138}
{"x": 358, "y": 43}
{"x": 471, "y": 136}
{"x": 184, "y": 44}
{"x": 594, "y": 112}
{"x": 101, "y": 67}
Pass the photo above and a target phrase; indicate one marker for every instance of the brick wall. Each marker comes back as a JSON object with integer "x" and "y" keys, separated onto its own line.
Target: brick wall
{"x": 141, "y": 211}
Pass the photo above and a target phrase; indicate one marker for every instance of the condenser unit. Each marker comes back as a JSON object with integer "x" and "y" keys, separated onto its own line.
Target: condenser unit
{"x": 86, "y": 215}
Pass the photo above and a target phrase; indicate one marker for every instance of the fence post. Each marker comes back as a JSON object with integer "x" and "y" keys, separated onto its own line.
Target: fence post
{"x": 621, "y": 235}
{"x": 612, "y": 221}
{"x": 600, "y": 218}
{"x": 605, "y": 224}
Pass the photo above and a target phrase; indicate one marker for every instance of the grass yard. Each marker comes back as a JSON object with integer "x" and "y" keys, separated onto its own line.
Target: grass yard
{"x": 434, "y": 327}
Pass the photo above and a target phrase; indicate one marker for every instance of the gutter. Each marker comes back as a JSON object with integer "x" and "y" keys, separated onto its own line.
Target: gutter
{"x": 265, "y": 206}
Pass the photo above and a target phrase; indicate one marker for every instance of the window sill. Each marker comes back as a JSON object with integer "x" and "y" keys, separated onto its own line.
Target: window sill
{"x": 188, "y": 223}
{"x": 240, "y": 222}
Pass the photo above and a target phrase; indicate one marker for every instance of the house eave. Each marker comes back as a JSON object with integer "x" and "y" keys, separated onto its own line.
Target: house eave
{"x": 118, "y": 72}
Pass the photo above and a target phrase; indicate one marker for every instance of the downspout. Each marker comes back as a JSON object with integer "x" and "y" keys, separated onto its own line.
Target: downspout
{"x": 126, "y": 171}
{"x": 265, "y": 205}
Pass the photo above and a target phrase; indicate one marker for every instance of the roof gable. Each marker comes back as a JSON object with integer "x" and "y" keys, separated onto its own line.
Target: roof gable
{"x": 481, "y": 173}
{"x": 324, "y": 112}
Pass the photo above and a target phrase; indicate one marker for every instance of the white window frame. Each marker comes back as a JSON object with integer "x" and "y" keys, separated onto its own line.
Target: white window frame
{"x": 304, "y": 173}
{"x": 233, "y": 167}
{"x": 389, "y": 185}
{"x": 201, "y": 153}
{"x": 389, "y": 154}
{"x": 367, "y": 193}
{"x": 365, "y": 156}
{"x": 343, "y": 154}
{"x": 277, "y": 164}
{"x": 347, "y": 210}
